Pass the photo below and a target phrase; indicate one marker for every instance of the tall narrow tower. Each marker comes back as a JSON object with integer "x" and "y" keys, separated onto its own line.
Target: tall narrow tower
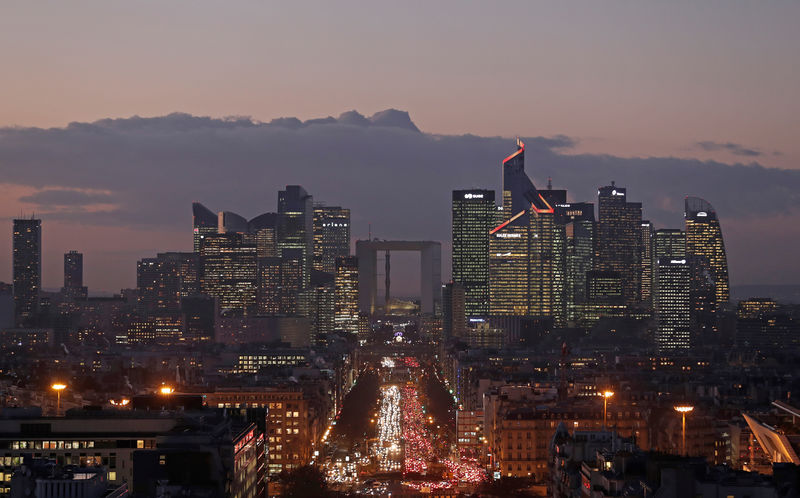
{"x": 473, "y": 215}
{"x": 27, "y": 269}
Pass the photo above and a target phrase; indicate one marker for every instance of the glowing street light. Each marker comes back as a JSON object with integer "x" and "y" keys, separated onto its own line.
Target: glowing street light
{"x": 58, "y": 387}
{"x": 606, "y": 395}
{"x": 683, "y": 410}
{"x": 166, "y": 390}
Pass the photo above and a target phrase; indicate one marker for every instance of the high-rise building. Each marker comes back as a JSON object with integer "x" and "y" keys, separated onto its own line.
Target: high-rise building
{"x": 331, "y": 236}
{"x": 230, "y": 271}
{"x": 204, "y": 222}
{"x": 671, "y": 304}
{"x": 521, "y": 246}
{"x": 454, "y": 316}
{"x": 73, "y": 276}
{"x": 618, "y": 237}
{"x": 27, "y": 271}
{"x": 318, "y": 303}
{"x": 230, "y": 222}
{"x": 548, "y": 251}
{"x": 473, "y": 216}
{"x": 646, "y": 245}
{"x": 669, "y": 243}
{"x": 199, "y": 317}
{"x": 162, "y": 281}
{"x": 264, "y": 228}
{"x": 296, "y": 227}
{"x": 346, "y": 283}
{"x": 292, "y": 266}
{"x": 578, "y": 221}
{"x": 704, "y": 245}
{"x": 269, "y": 286}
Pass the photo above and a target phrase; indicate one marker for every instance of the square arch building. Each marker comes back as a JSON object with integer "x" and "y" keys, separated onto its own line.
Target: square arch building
{"x": 430, "y": 271}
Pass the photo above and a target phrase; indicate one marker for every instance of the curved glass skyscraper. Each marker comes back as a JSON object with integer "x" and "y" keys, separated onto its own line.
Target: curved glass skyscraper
{"x": 704, "y": 245}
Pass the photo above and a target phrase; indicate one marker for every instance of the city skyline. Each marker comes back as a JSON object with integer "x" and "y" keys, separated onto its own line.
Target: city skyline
{"x": 108, "y": 215}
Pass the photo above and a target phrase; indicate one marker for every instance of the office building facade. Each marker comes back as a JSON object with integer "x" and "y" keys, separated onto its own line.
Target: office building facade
{"x": 705, "y": 246}
{"x": 618, "y": 238}
{"x": 27, "y": 271}
{"x": 331, "y": 236}
{"x": 473, "y": 216}
{"x": 346, "y": 298}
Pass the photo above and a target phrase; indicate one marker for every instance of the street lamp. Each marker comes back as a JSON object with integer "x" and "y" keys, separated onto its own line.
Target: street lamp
{"x": 58, "y": 387}
{"x": 683, "y": 410}
{"x": 606, "y": 395}
{"x": 166, "y": 390}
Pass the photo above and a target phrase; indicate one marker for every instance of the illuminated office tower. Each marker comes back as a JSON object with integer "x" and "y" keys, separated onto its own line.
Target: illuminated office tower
{"x": 331, "y": 236}
{"x": 473, "y": 216}
{"x": 578, "y": 221}
{"x": 264, "y": 228}
{"x": 520, "y": 269}
{"x": 296, "y": 227}
{"x": 73, "y": 276}
{"x": 671, "y": 304}
{"x": 162, "y": 282}
{"x": 204, "y": 222}
{"x": 292, "y": 266}
{"x": 230, "y": 271}
{"x": 317, "y": 303}
{"x": 548, "y": 260}
{"x": 346, "y": 284}
{"x": 269, "y": 286}
{"x": 704, "y": 245}
{"x": 618, "y": 237}
{"x": 27, "y": 271}
{"x": 669, "y": 243}
{"x": 646, "y": 245}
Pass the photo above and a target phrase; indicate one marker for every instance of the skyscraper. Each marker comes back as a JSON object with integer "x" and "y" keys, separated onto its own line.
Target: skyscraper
{"x": 669, "y": 243}
{"x": 296, "y": 227}
{"x": 523, "y": 246}
{"x": 27, "y": 271}
{"x": 454, "y": 317}
{"x": 230, "y": 271}
{"x": 705, "y": 247}
{"x": 578, "y": 221}
{"x": 473, "y": 216}
{"x": 509, "y": 247}
{"x": 618, "y": 238}
{"x": 331, "y": 236}
{"x": 646, "y": 245}
{"x": 346, "y": 283}
{"x": 73, "y": 276}
{"x": 204, "y": 222}
{"x": 162, "y": 282}
{"x": 548, "y": 259}
{"x": 671, "y": 304}
{"x": 317, "y": 303}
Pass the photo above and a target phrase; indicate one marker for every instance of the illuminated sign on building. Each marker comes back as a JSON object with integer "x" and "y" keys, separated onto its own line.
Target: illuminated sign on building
{"x": 504, "y": 235}
{"x": 473, "y": 196}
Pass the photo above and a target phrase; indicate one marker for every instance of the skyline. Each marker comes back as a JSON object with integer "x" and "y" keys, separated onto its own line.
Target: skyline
{"x": 163, "y": 164}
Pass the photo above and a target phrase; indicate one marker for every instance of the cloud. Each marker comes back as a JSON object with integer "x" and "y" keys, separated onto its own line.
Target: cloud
{"x": 394, "y": 178}
{"x": 67, "y": 197}
{"x": 733, "y": 148}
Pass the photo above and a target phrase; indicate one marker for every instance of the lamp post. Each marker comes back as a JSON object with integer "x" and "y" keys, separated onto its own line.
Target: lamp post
{"x": 606, "y": 395}
{"x": 58, "y": 387}
{"x": 683, "y": 410}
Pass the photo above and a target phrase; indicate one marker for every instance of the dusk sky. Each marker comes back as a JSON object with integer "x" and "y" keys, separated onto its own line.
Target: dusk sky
{"x": 668, "y": 98}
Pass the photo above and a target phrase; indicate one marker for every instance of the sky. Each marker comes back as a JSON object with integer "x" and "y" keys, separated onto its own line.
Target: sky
{"x": 701, "y": 95}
